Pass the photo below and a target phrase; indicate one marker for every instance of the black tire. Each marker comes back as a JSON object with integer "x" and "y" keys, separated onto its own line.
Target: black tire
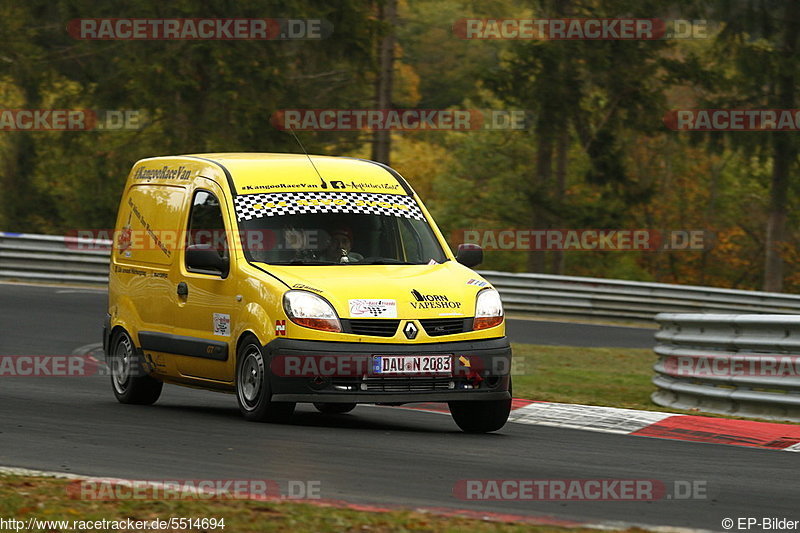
{"x": 480, "y": 416}
{"x": 253, "y": 392}
{"x": 129, "y": 379}
{"x": 334, "y": 408}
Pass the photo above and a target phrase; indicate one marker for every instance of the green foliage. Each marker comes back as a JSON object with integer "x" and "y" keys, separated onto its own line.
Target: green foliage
{"x": 200, "y": 96}
{"x": 596, "y": 154}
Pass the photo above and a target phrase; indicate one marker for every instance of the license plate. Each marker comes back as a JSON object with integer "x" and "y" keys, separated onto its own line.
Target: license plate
{"x": 440, "y": 365}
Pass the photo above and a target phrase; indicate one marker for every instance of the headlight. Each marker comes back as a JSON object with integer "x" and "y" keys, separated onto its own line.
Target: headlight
{"x": 488, "y": 310}
{"x": 311, "y": 311}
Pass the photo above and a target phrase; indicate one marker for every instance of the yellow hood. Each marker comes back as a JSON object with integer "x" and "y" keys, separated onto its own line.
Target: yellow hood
{"x": 395, "y": 291}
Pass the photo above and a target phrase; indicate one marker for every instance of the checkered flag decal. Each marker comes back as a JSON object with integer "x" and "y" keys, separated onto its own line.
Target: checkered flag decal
{"x": 250, "y": 206}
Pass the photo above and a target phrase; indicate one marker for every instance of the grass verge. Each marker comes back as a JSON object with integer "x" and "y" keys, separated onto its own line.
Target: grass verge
{"x": 614, "y": 377}
{"x": 23, "y": 497}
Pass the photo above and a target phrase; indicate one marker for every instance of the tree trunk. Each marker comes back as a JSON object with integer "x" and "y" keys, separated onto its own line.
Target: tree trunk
{"x": 544, "y": 171}
{"x": 784, "y": 154}
{"x": 562, "y": 147}
{"x": 382, "y": 140}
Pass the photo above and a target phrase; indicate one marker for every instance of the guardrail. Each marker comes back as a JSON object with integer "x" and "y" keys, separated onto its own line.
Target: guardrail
{"x": 54, "y": 258}
{"x": 633, "y": 300}
{"x": 744, "y": 365}
{"x": 31, "y": 257}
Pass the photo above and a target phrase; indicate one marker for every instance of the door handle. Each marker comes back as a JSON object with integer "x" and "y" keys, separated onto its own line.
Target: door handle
{"x": 183, "y": 289}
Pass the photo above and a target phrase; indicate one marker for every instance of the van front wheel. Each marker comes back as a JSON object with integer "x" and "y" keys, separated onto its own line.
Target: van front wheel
{"x": 129, "y": 380}
{"x": 252, "y": 386}
{"x": 480, "y": 416}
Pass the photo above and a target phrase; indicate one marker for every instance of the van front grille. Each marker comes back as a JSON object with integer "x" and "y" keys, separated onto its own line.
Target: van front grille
{"x": 373, "y": 327}
{"x": 436, "y": 327}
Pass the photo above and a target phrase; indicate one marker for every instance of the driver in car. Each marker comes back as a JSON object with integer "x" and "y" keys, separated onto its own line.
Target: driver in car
{"x": 339, "y": 247}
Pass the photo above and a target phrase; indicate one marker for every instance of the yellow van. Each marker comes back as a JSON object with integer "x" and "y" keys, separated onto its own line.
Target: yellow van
{"x": 286, "y": 278}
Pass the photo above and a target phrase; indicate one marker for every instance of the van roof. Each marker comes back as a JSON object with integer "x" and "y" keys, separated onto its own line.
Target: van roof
{"x": 266, "y": 172}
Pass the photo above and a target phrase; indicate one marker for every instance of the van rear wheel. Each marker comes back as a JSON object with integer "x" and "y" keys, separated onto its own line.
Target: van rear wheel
{"x": 129, "y": 379}
{"x": 252, "y": 386}
{"x": 334, "y": 408}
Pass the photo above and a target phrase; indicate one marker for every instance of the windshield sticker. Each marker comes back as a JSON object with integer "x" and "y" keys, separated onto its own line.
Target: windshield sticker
{"x": 373, "y": 308}
{"x": 252, "y": 206}
{"x": 361, "y": 185}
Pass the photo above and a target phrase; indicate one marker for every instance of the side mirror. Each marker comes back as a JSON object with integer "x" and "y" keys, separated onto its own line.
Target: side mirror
{"x": 469, "y": 255}
{"x": 204, "y": 257}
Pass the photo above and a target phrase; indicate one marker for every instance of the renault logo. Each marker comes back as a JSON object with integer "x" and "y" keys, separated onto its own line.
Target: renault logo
{"x": 410, "y": 331}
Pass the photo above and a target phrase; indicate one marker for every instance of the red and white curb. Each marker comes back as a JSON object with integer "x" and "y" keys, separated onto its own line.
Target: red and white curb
{"x": 693, "y": 428}
{"x": 766, "y": 435}
{"x": 487, "y": 516}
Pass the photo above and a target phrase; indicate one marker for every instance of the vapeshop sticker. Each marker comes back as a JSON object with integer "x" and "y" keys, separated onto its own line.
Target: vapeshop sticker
{"x": 433, "y": 301}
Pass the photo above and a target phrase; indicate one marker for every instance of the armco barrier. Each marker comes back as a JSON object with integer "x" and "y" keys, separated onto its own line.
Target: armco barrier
{"x": 54, "y": 258}
{"x": 634, "y": 300}
{"x": 30, "y": 257}
{"x": 744, "y": 365}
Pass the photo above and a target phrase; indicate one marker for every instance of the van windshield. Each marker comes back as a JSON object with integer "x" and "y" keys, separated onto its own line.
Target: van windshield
{"x": 318, "y": 229}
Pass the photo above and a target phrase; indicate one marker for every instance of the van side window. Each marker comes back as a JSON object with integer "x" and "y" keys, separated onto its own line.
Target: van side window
{"x": 206, "y": 225}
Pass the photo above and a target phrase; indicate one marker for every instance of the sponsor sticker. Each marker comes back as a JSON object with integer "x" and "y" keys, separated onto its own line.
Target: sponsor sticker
{"x": 305, "y": 288}
{"x": 432, "y": 301}
{"x": 222, "y": 324}
{"x": 280, "y": 328}
{"x": 373, "y": 308}
{"x": 477, "y": 282}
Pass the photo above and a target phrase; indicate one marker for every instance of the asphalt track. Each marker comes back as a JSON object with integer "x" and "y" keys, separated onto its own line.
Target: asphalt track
{"x": 374, "y": 455}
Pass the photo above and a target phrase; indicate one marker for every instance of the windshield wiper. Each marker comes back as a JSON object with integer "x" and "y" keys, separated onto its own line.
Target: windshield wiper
{"x": 387, "y": 262}
{"x": 303, "y": 262}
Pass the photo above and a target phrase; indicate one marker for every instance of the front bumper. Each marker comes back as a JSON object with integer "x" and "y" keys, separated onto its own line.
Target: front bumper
{"x": 486, "y": 377}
